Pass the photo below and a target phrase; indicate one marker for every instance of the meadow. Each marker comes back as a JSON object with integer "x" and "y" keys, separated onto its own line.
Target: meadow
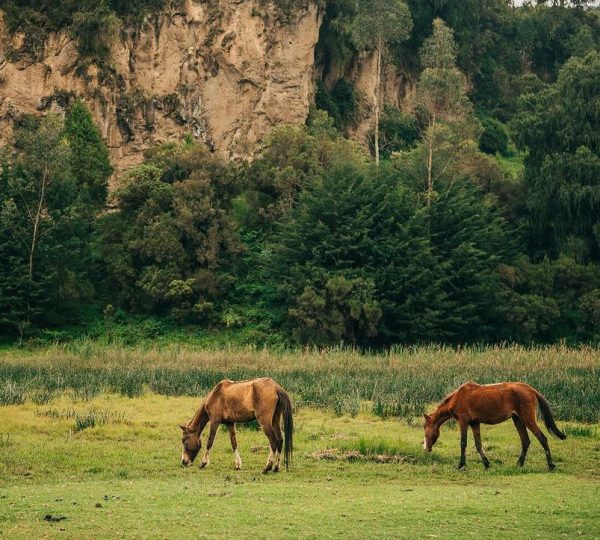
{"x": 89, "y": 446}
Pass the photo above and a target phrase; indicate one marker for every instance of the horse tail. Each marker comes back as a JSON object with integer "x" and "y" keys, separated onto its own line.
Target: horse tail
{"x": 288, "y": 426}
{"x": 548, "y": 418}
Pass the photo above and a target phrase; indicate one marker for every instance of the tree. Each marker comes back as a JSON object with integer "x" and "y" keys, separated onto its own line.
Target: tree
{"x": 558, "y": 128}
{"x": 90, "y": 163}
{"x": 293, "y": 158}
{"x": 44, "y": 162}
{"x": 353, "y": 262}
{"x": 471, "y": 240}
{"x": 46, "y": 228}
{"x": 376, "y": 24}
{"x": 168, "y": 249}
{"x": 441, "y": 91}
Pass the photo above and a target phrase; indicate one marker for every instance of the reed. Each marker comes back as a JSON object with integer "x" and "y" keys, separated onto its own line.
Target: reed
{"x": 399, "y": 383}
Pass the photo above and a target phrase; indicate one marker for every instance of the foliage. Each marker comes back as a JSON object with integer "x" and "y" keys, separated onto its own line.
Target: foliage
{"x": 563, "y": 161}
{"x": 441, "y": 93}
{"x": 453, "y": 239}
{"x": 167, "y": 249}
{"x": 93, "y": 24}
{"x": 95, "y": 30}
{"x": 47, "y": 228}
{"x": 494, "y": 138}
{"x": 340, "y": 102}
{"x": 89, "y": 162}
{"x": 374, "y": 25}
{"x": 398, "y": 131}
{"x": 293, "y": 157}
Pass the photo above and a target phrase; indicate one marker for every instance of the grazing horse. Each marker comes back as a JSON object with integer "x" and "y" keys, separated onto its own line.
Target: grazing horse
{"x": 473, "y": 404}
{"x": 230, "y": 402}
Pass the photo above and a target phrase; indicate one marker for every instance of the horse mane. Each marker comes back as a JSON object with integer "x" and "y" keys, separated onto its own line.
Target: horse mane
{"x": 447, "y": 398}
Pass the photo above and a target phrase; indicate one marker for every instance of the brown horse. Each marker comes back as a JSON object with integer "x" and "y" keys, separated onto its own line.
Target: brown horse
{"x": 473, "y": 404}
{"x": 230, "y": 402}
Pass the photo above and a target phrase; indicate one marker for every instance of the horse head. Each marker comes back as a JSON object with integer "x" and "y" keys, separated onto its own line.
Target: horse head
{"x": 191, "y": 445}
{"x": 432, "y": 432}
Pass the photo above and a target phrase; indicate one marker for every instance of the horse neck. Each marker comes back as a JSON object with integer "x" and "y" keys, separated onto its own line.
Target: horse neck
{"x": 199, "y": 421}
{"x": 441, "y": 414}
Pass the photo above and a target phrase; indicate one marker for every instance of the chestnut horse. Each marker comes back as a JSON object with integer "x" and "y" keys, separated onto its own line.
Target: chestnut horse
{"x": 473, "y": 404}
{"x": 230, "y": 402}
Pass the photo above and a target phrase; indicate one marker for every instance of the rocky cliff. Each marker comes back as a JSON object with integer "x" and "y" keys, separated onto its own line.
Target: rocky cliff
{"x": 226, "y": 76}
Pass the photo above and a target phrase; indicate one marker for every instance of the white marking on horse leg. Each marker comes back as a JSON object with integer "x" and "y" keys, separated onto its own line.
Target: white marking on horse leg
{"x": 269, "y": 464}
{"x": 205, "y": 459}
{"x": 277, "y": 460}
{"x": 238, "y": 460}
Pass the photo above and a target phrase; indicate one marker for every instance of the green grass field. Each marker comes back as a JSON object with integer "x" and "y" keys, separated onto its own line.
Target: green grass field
{"x": 81, "y": 448}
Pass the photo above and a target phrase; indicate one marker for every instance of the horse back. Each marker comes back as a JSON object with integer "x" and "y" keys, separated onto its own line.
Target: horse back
{"x": 241, "y": 401}
{"x": 493, "y": 403}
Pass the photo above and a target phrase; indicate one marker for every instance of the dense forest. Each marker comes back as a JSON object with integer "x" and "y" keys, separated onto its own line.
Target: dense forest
{"x": 472, "y": 216}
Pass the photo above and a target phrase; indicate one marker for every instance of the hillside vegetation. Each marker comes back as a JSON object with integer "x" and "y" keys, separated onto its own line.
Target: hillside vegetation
{"x": 476, "y": 222}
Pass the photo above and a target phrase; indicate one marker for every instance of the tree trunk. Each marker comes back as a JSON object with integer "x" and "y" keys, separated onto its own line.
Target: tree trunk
{"x": 431, "y": 137}
{"x": 35, "y": 222}
{"x": 377, "y": 103}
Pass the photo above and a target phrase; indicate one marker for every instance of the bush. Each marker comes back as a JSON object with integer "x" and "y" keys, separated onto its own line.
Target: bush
{"x": 494, "y": 138}
{"x": 95, "y": 30}
{"x": 397, "y": 131}
{"x": 340, "y": 102}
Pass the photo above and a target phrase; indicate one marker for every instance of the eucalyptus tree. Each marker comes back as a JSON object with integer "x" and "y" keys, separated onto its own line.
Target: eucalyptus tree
{"x": 441, "y": 91}
{"x": 375, "y": 25}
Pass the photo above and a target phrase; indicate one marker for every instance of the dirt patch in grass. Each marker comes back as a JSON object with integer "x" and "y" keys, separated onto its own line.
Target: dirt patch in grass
{"x": 335, "y": 454}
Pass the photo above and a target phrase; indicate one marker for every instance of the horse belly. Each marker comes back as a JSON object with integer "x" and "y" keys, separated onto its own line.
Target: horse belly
{"x": 496, "y": 415}
{"x": 238, "y": 410}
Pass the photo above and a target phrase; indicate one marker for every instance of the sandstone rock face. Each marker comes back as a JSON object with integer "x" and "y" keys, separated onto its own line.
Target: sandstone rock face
{"x": 397, "y": 90}
{"x": 224, "y": 76}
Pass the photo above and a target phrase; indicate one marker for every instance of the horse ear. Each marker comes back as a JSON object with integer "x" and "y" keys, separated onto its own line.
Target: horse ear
{"x": 427, "y": 417}
{"x": 183, "y": 428}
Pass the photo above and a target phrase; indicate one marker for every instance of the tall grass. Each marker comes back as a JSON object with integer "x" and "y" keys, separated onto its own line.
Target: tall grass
{"x": 400, "y": 383}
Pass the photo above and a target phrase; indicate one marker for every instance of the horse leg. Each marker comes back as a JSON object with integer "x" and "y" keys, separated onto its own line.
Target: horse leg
{"x": 477, "y": 436}
{"x": 463, "y": 445}
{"x": 279, "y": 436}
{"x": 533, "y": 427}
{"x": 525, "y": 442}
{"x": 211, "y": 438}
{"x": 270, "y": 433}
{"x": 232, "y": 436}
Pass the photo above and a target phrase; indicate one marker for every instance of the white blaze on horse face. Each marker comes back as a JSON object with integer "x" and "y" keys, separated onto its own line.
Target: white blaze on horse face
{"x": 238, "y": 460}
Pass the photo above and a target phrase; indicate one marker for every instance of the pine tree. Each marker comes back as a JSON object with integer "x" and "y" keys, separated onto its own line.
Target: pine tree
{"x": 90, "y": 163}
{"x": 353, "y": 262}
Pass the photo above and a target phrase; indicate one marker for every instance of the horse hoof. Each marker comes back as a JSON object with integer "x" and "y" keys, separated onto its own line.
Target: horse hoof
{"x": 461, "y": 466}
{"x": 276, "y": 469}
{"x": 551, "y": 466}
{"x": 487, "y": 465}
{"x": 202, "y": 465}
{"x": 265, "y": 470}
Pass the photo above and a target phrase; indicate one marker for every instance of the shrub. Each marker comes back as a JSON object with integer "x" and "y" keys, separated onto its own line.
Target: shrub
{"x": 494, "y": 138}
{"x": 340, "y": 102}
{"x": 397, "y": 131}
